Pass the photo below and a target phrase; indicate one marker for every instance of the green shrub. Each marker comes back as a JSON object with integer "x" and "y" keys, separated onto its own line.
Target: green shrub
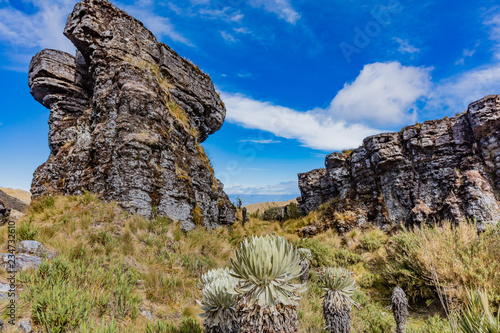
{"x": 322, "y": 254}
{"x": 188, "y": 325}
{"x": 373, "y": 240}
{"x": 434, "y": 324}
{"x": 272, "y": 214}
{"x": 453, "y": 255}
{"x": 61, "y": 307}
{"x": 43, "y": 203}
{"x": 27, "y": 231}
{"x": 373, "y": 317}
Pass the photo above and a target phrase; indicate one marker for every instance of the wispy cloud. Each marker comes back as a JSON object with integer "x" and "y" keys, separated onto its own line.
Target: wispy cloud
{"x": 160, "y": 26}
{"x": 227, "y": 37}
{"x": 290, "y": 187}
{"x": 42, "y": 29}
{"x": 264, "y": 142}
{"x": 282, "y": 8}
{"x": 467, "y": 53}
{"x": 310, "y": 128}
{"x": 405, "y": 46}
{"x": 493, "y": 23}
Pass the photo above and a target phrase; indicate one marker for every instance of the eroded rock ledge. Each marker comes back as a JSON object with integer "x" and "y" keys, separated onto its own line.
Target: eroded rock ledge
{"x": 447, "y": 169}
{"x": 127, "y": 115}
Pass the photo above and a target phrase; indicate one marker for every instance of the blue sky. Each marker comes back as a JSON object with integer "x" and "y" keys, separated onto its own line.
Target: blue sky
{"x": 299, "y": 78}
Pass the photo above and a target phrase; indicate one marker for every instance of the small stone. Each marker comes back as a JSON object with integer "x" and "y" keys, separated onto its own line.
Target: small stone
{"x": 4, "y": 287}
{"x": 34, "y": 248}
{"x": 25, "y": 326}
{"x": 22, "y": 261}
{"x": 147, "y": 314}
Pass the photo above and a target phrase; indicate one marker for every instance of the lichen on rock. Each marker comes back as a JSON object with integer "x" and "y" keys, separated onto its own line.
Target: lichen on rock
{"x": 127, "y": 115}
{"x": 446, "y": 169}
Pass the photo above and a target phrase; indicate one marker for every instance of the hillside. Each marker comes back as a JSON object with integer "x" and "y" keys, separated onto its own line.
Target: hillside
{"x": 22, "y": 195}
{"x": 262, "y": 206}
{"x": 115, "y": 270}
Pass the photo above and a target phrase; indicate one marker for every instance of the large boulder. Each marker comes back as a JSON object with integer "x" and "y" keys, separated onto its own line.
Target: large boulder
{"x": 127, "y": 116}
{"x": 446, "y": 169}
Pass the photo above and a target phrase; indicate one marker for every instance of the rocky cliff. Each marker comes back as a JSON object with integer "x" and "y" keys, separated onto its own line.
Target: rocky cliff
{"x": 127, "y": 115}
{"x": 440, "y": 169}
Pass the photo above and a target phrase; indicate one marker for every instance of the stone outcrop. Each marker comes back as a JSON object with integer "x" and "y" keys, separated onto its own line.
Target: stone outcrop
{"x": 4, "y": 213}
{"x": 127, "y": 115}
{"x": 447, "y": 169}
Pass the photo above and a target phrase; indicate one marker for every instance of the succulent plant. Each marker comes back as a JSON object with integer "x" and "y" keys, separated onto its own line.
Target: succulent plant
{"x": 305, "y": 257}
{"x": 337, "y": 303}
{"x": 219, "y": 302}
{"x": 399, "y": 304}
{"x": 267, "y": 297}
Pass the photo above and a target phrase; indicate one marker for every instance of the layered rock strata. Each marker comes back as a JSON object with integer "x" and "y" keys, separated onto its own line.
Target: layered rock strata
{"x": 127, "y": 116}
{"x": 446, "y": 169}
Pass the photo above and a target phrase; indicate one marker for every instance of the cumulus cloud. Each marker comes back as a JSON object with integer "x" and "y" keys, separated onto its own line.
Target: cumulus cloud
{"x": 282, "y": 8}
{"x": 284, "y": 188}
{"x": 310, "y": 128}
{"x": 383, "y": 94}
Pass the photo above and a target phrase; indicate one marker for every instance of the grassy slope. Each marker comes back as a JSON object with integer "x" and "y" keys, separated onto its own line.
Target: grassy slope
{"x": 262, "y": 206}
{"x": 22, "y": 195}
{"x": 112, "y": 265}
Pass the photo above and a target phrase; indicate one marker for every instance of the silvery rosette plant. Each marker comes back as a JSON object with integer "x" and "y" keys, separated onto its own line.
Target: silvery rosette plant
{"x": 267, "y": 296}
{"x": 339, "y": 286}
{"x": 305, "y": 258}
{"x": 218, "y": 302}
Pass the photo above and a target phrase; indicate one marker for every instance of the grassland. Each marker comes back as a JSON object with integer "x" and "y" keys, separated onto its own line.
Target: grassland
{"x": 113, "y": 266}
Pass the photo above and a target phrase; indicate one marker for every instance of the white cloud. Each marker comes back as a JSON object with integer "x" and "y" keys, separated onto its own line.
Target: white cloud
{"x": 227, "y": 14}
{"x": 159, "y": 25}
{"x": 284, "y": 188}
{"x": 406, "y": 47}
{"x": 493, "y": 23}
{"x": 311, "y": 128}
{"x": 43, "y": 29}
{"x": 383, "y": 94}
{"x": 228, "y": 37}
{"x": 458, "y": 91}
{"x": 264, "y": 142}
{"x": 282, "y": 8}
{"x": 242, "y": 30}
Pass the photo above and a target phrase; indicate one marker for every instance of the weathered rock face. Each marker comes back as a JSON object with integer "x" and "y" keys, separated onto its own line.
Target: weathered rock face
{"x": 441, "y": 169}
{"x": 4, "y": 213}
{"x": 127, "y": 115}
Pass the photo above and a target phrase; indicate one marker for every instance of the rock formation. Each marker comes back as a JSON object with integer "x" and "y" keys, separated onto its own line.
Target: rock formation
{"x": 446, "y": 169}
{"x": 127, "y": 115}
{"x": 4, "y": 213}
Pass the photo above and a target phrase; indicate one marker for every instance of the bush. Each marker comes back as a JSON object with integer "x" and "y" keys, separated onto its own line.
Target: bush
{"x": 42, "y": 204}
{"x": 454, "y": 256}
{"x": 373, "y": 317}
{"x": 273, "y": 214}
{"x": 188, "y": 325}
{"x": 27, "y": 231}
{"x": 373, "y": 240}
